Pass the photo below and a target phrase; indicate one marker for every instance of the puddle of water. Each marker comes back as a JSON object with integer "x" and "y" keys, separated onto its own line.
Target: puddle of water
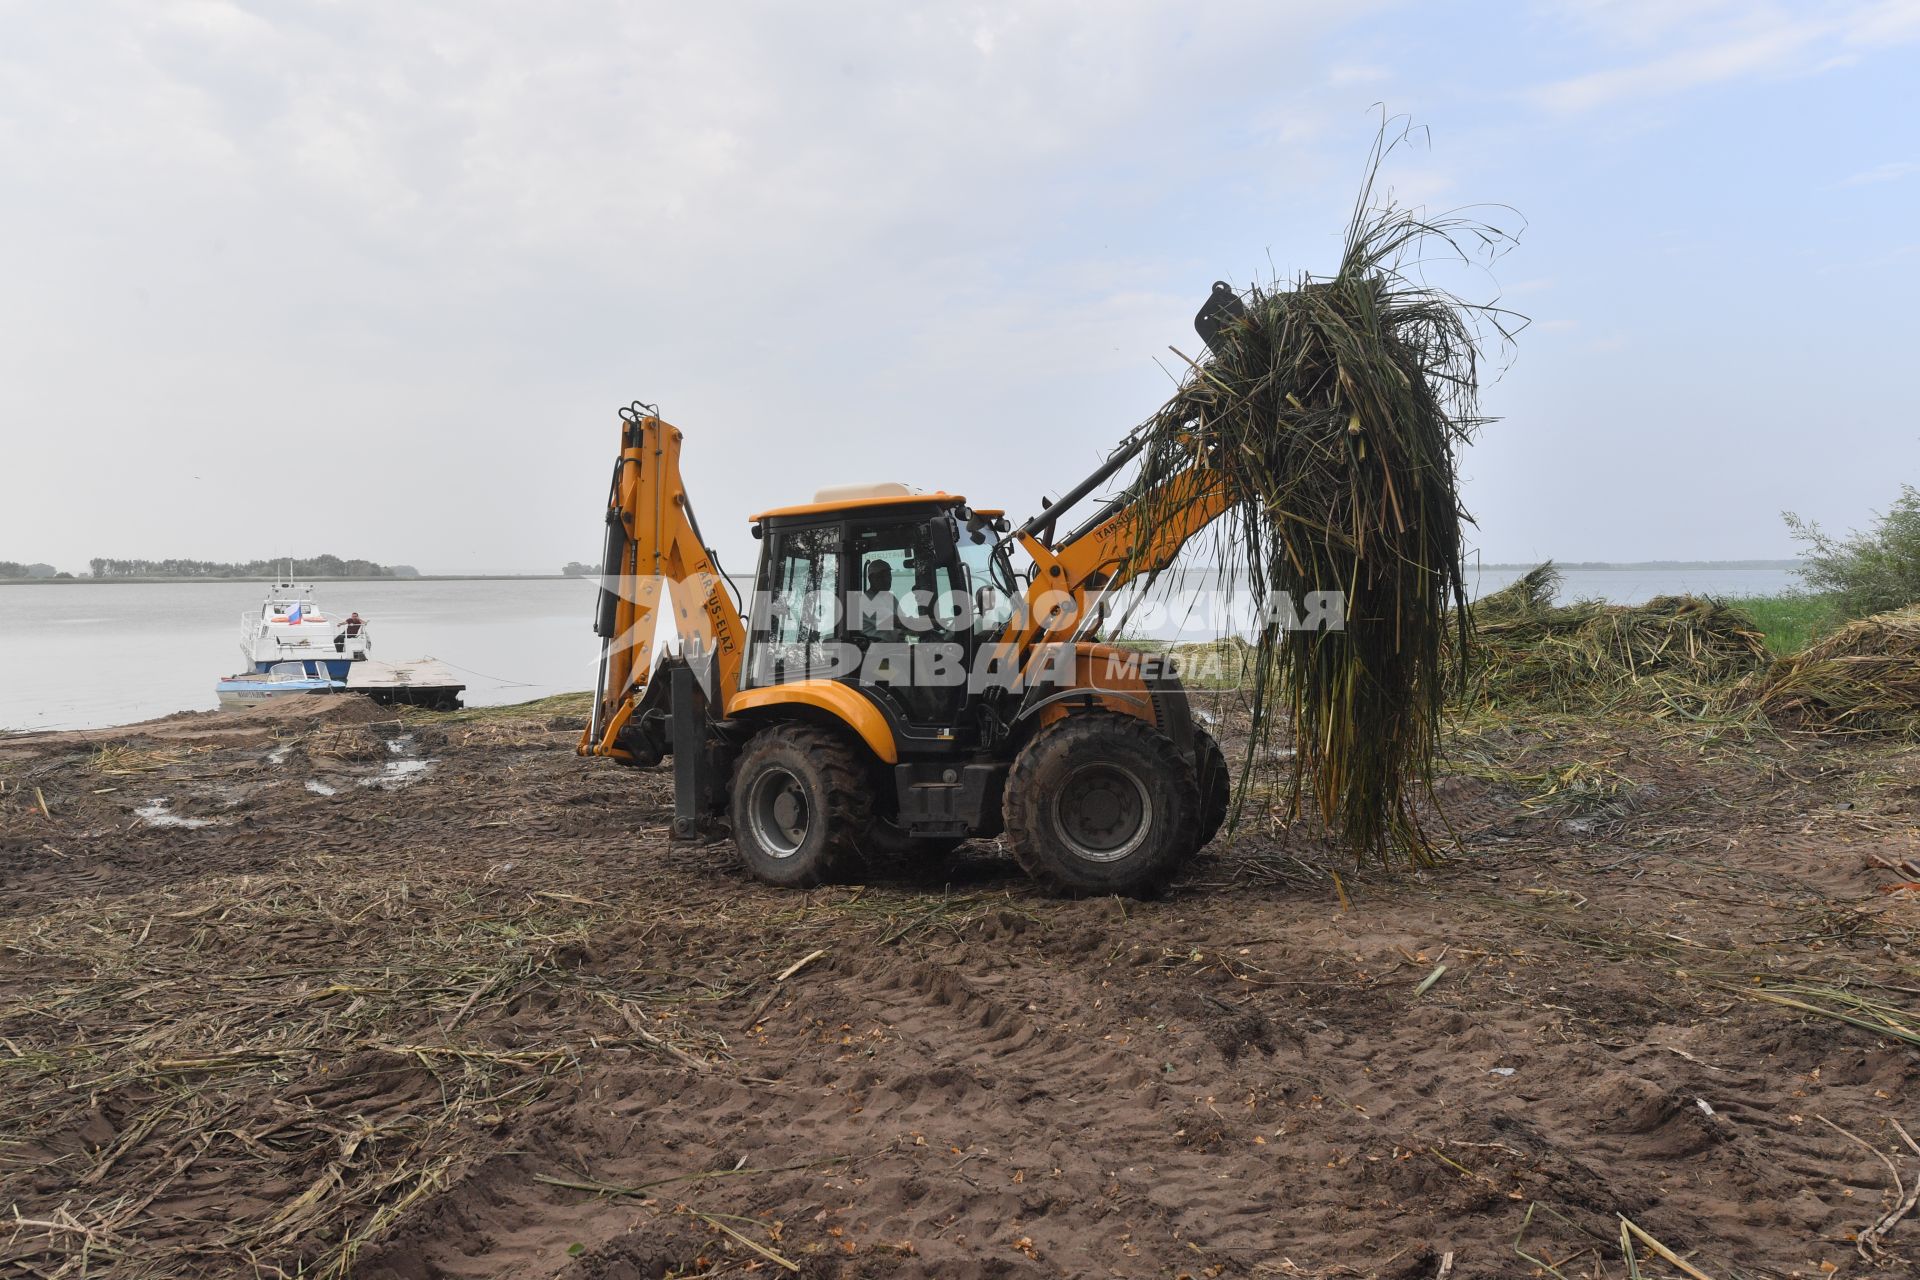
{"x": 279, "y": 754}
{"x": 401, "y": 745}
{"x": 320, "y": 788}
{"x": 155, "y": 814}
{"x": 397, "y": 773}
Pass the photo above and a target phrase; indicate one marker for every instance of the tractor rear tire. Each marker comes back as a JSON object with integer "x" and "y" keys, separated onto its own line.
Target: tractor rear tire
{"x": 800, "y": 805}
{"x": 1215, "y": 781}
{"x": 1100, "y": 803}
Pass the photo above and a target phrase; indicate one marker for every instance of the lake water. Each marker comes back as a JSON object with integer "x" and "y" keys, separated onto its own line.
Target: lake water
{"x": 1635, "y": 586}
{"x": 83, "y": 655}
{"x": 80, "y": 655}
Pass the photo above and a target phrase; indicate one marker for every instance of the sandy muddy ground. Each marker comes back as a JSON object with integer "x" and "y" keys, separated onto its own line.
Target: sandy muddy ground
{"x": 306, "y": 991}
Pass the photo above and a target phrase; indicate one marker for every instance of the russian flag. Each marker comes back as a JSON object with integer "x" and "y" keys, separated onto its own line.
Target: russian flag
{"x": 293, "y": 614}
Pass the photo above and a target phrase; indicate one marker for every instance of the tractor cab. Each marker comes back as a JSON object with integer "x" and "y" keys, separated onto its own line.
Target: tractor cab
{"x": 882, "y": 589}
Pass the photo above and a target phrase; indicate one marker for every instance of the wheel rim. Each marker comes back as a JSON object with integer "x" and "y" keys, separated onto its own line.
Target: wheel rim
{"x": 779, "y": 811}
{"x": 1103, "y": 812}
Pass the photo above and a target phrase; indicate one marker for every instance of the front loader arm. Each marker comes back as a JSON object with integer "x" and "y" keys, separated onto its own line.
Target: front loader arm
{"x": 1136, "y": 535}
{"x": 1138, "y": 538}
{"x": 654, "y": 546}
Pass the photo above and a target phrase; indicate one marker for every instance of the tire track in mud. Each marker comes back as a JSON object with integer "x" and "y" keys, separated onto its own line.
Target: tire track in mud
{"x": 960, "y": 1116}
{"x": 1092, "y": 1122}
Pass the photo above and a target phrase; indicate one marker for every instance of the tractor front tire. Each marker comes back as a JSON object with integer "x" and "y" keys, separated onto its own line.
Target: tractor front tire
{"x": 799, "y": 807}
{"x": 1099, "y": 803}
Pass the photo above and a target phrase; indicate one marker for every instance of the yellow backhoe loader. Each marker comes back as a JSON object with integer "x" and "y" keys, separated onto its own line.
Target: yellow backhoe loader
{"x": 898, "y": 684}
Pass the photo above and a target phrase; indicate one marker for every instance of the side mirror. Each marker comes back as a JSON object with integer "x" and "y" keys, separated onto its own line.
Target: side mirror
{"x": 943, "y": 542}
{"x": 985, "y": 601}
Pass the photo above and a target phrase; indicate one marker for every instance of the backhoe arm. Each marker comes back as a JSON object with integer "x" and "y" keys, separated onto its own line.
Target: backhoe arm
{"x": 654, "y": 545}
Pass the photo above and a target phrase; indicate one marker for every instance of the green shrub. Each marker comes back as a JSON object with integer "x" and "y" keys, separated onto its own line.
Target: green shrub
{"x": 1865, "y": 573}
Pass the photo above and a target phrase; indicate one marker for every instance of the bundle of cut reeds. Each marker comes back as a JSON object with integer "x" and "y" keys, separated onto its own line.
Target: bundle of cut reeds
{"x": 1864, "y": 678}
{"x": 1330, "y": 410}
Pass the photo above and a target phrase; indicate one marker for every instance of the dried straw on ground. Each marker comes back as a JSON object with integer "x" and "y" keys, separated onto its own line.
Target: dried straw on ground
{"x": 1332, "y": 410}
{"x": 1864, "y": 678}
{"x": 1671, "y": 652}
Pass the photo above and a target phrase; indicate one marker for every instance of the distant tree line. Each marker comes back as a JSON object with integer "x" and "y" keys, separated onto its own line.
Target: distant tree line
{"x": 1603, "y": 566}
{"x": 574, "y": 569}
{"x": 315, "y": 567}
{"x": 14, "y": 569}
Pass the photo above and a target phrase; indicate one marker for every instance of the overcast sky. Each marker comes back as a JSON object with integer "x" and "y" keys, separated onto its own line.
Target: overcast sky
{"x": 372, "y": 278}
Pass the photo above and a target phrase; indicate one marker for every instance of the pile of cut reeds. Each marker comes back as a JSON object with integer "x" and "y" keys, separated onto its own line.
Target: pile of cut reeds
{"x": 1672, "y": 651}
{"x": 1326, "y": 419}
{"x": 1864, "y": 678}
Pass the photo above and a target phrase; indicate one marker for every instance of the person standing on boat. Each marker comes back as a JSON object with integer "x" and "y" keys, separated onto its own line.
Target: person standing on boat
{"x": 354, "y": 623}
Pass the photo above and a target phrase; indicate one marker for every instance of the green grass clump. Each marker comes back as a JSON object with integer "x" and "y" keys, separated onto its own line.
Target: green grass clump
{"x": 1789, "y": 622}
{"x": 559, "y": 704}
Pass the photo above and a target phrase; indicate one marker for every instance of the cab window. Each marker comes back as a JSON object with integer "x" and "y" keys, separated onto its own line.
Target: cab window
{"x": 795, "y": 608}
{"x": 990, "y": 581}
{"x": 898, "y": 595}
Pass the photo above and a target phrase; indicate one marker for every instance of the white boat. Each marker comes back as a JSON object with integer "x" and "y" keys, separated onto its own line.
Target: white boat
{"x": 291, "y": 646}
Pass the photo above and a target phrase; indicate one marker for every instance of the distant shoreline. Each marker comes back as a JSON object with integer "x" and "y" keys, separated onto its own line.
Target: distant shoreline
{"x": 1572, "y": 566}
{"x": 149, "y": 579}
{"x": 1639, "y": 566}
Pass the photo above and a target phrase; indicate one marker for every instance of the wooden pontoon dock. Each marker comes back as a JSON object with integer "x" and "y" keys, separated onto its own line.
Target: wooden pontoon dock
{"x": 422, "y": 682}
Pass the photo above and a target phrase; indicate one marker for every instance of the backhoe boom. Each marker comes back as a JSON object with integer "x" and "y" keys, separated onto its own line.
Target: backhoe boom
{"x": 654, "y": 545}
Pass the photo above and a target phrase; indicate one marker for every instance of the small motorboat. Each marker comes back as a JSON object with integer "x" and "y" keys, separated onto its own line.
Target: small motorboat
{"x": 251, "y": 687}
